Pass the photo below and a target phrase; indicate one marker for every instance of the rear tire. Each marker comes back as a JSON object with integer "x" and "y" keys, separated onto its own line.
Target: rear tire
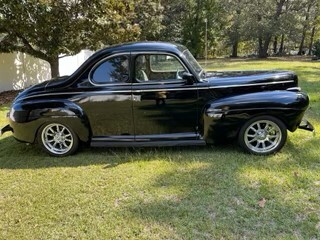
{"x": 263, "y": 135}
{"x": 58, "y": 139}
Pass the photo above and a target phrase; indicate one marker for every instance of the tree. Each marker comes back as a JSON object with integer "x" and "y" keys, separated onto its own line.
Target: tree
{"x": 316, "y": 50}
{"x": 309, "y": 9}
{"x": 149, "y": 16}
{"x": 315, "y": 25}
{"x": 263, "y": 21}
{"x": 268, "y": 22}
{"x": 194, "y": 27}
{"x": 234, "y": 13}
{"x": 47, "y": 29}
{"x": 173, "y": 20}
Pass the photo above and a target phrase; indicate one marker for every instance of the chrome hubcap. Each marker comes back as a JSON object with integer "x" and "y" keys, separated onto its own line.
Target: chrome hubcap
{"x": 57, "y": 138}
{"x": 263, "y": 136}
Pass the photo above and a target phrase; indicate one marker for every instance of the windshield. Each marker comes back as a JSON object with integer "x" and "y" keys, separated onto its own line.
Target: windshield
{"x": 195, "y": 65}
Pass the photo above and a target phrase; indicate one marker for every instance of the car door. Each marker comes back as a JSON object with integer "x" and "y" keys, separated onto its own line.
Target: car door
{"x": 107, "y": 99}
{"x": 164, "y": 105}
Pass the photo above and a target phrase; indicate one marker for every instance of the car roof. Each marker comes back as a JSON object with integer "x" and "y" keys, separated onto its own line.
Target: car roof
{"x": 141, "y": 46}
{"x": 129, "y": 47}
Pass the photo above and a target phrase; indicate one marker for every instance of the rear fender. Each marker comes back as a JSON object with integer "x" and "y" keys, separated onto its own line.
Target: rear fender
{"x": 224, "y": 117}
{"x": 30, "y": 116}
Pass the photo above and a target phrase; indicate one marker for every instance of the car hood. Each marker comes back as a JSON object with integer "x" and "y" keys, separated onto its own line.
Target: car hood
{"x": 236, "y": 78}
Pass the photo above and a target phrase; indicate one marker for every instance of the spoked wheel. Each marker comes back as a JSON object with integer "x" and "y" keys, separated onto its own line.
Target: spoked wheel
{"x": 58, "y": 139}
{"x": 263, "y": 135}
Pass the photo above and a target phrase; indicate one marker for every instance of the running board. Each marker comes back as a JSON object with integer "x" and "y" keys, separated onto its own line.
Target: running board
{"x": 148, "y": 144}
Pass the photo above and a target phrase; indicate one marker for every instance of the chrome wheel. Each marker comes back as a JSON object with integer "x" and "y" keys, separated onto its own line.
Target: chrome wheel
{"x": 263, "y": 136}
{"x": 57, "y": 139}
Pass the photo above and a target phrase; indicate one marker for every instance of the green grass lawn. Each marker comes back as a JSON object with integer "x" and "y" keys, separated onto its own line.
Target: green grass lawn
{"x": 167, "y": 193}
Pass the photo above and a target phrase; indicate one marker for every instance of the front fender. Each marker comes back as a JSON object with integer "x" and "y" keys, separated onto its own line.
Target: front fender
{"x": 224, "y": 117}
{"x": 27, "y": 117}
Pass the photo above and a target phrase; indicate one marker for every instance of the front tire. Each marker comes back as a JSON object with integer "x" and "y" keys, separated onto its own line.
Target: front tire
{"x": 262, "y": 135}
{"x": 58, "y": 139}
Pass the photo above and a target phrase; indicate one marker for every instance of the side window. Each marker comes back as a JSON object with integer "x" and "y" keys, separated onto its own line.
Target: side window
{"x": 158, "y": 67}
{"x": 113, "y": 70}
{"x": 165, "y": 63}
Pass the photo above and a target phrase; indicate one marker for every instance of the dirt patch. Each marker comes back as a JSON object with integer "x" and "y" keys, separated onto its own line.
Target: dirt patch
{"x": 8, "y": 96}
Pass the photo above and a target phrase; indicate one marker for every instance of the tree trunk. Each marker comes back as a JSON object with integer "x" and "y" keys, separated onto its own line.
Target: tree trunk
{"x": 235, "y": 49}
{"x": 263, "y": 47}
{"x": 304, "y": 30}
{"x": 301, "y": 52}
{"x": 275, "y": 45}
{"x": 311, "y": 40}
{"x": 260, "y": 50}
{"x": 196, "y": 30}
{"x": 265, "y": 37}
{"x": 281, "y": 48}
{"x": 266, "y": 47}
{"x": 54, "y": 64}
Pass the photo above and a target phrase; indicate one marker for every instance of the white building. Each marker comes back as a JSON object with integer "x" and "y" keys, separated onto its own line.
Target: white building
{"x": 20, "y": 70}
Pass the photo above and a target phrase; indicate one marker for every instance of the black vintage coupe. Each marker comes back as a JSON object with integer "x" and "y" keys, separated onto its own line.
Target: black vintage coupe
{"x": 156, "y": 94}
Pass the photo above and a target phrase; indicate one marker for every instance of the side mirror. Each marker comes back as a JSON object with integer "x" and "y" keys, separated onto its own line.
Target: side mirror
{"x": 188, "y": 77}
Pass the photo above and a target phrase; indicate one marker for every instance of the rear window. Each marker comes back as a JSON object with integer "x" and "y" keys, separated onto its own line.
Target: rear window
{"x": 113, "y": 70}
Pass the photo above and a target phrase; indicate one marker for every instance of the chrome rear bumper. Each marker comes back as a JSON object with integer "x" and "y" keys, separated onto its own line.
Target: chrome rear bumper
{"x": 7, "y": 128}
{"x": 305, "y": 125}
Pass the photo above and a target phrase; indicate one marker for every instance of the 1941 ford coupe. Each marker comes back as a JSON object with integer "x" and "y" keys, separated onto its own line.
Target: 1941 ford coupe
{"x": 156, "y": 94}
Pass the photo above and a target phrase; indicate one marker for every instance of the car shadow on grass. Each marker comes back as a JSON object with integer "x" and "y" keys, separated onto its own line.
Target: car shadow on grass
{"x": 15, "y": 155}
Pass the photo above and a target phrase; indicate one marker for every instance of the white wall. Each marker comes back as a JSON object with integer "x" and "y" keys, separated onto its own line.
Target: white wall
{"x": 20, "y": 70}
{"x": 67, "y": 65}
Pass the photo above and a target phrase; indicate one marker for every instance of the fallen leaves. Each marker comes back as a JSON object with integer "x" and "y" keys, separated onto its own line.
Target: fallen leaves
{"x": 8, "y": 96}
{"x": 262, "y": 202}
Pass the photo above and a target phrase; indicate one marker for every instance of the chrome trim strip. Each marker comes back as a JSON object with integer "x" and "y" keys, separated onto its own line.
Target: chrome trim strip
{"x": 148, "y": 143}
{"x": 251, "y": 84}
{"x": 297, "y": 89}
{"x": 166, "y": 90}
{"x": 120, "y": 138}
{"x": 159, "y": 89}
{"x": 157, "y": 82}
{"x": 51, "y": 94}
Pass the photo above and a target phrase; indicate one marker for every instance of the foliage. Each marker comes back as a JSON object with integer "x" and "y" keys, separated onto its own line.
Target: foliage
{"x": 194, "y": 27}
{"x": 173, "y": 20}
{"x": 149, "y": 19}
{"x": 48, "y": 29}
{"x": 233, "y": 24}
